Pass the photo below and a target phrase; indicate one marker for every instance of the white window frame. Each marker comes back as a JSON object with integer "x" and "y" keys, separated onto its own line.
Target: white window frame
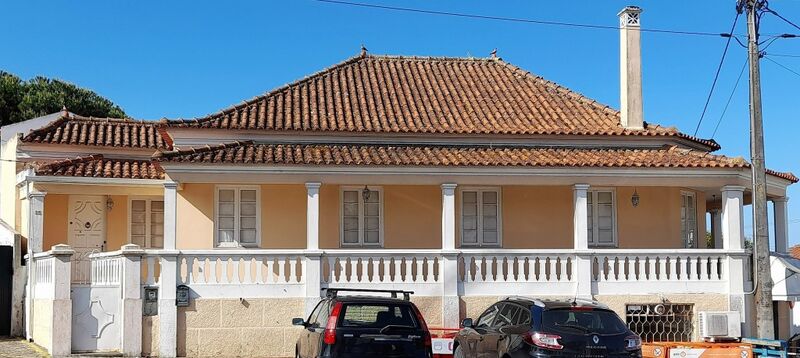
{"x": 595, "y": 228}
{"x": 693, "y": 195}
{"x": 480, "y": 190}
{"x": 361, "y": 226}
{"x": 236, "y": 242}
{"x": 148, "y": 200}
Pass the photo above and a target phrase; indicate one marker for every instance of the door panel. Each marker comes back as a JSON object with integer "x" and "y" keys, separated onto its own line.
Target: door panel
{"x": 86, "y": 232}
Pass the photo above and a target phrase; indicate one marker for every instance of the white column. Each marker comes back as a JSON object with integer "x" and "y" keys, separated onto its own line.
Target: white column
{"x": 167, "y": 311}
{"x": 170, "y": 214}
{"x": 449, "y": 216}
{"x": 451, "y": 303}
{"x": 732, "y": 217}
{"x": 583, "y": 257}
{"x": 61, "y": 326}
{"x": 780, "y": 206}
{"x": 716, "y": 227}
{"x": 736, "y": 265}
{"x": 131, "y": 332}
{"x": 313, "y": 256}
{"x": 312, "y": 216}
{"x": 35, "y": 242}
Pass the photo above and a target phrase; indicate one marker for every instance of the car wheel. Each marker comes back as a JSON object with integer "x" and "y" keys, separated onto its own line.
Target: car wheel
{"x": 458, "y": 352}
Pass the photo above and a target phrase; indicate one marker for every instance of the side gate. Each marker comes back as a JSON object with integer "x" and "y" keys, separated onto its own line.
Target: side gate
{"x": 6, "y": 274}
{"x": 96, "y": 303}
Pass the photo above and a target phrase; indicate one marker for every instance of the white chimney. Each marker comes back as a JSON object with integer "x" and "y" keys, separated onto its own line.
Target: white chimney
{"x": 630, "y": 68}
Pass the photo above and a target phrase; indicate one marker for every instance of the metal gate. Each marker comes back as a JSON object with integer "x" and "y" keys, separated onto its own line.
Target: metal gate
{"x": 6, "y": 274}
{"x": 661, "y": 322}
{"x": 96, "y": 306}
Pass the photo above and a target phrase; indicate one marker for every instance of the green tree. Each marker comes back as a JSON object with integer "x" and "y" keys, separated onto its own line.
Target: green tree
{"x": 21, "y": 100}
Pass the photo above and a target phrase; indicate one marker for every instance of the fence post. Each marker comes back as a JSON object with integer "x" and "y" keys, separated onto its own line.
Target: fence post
{"x": 61, "y": 340}
{"x": 167, "y": 310}
{"x": 131, "y": 292}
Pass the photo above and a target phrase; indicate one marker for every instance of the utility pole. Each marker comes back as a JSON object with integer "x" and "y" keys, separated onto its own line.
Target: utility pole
{"x": 763, "y": 293}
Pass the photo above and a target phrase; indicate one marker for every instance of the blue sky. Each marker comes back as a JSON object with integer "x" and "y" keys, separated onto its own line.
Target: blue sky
{"x": 190, "y": 58}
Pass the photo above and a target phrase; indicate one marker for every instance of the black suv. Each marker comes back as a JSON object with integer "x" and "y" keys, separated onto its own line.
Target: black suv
{"x": 524, "y": 327}
{"x": 364, "y": 326}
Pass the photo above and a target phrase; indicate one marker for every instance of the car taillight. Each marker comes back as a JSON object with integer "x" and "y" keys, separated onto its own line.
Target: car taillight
{"x": 544, "y": 340}
{"x": 424, "y": 326}
{"x": 633, "y": 343}
{"x": 330, "y": 327}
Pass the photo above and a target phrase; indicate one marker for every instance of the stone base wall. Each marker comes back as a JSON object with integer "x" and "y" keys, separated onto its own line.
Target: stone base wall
{"x": 239, "y": 327}
{"x": 43, "y": 322}
{"x": 150, "y": 336}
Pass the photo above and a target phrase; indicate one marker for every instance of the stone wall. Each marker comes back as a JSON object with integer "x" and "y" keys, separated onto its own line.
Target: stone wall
{"x": 234, "y": 327}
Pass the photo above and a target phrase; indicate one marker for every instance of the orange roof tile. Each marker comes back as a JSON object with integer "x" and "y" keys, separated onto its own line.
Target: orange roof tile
{"x": 95, "y": 166}
{"x": 427, "y": 155}
{"x": 385, "y": 94}
{"x": 106, "y": 132}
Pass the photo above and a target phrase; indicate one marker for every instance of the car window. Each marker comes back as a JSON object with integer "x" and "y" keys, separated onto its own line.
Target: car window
{"x": 585, "y": 320}
{"x": 315, "y": 313}
{"x": 523, "y": 316}
{"x": 488, "y": 316}
{"x": 506, "y": 315}
{"x": 322, "y": 316}
{"x": 377, "y": 315}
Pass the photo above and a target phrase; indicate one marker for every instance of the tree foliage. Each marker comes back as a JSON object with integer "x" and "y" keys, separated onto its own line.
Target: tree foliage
{"x": 21, "y": 100}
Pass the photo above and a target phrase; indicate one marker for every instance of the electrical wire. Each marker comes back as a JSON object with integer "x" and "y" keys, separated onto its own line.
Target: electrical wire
{"x": 773, "y": 12}
{"x": 735, "y": 86}
{"x": 784, "y": 67}
{"x": 784, "y": 55}
{"x": 512, "y": 19}
{"x": 716, "y": 75}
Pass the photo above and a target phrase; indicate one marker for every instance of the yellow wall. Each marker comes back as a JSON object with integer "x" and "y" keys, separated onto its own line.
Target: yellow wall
{"x": 537, "y": 217}
{"x": 8, "y": 181}
{"x": 195, "y": 226}
{"x": 56, "y": 210}
{"x": 283, "y": 216}
{"x": 117, "y": 223}
{"x": 329, "y": 217}
{"x": 412, "y": 217}
{"x": 656, "y": 222}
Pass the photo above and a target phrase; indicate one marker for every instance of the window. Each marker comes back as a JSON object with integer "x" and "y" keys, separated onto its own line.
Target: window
{"x": 238, "y": 219}
{"x": 146, "y": 222}
{"x": 480, "y": 217}
{"x": 488, "y": 316}
{"x": 601, "y": 221}
{"x": 688, "y": 219}
{"x": 362, "y": 216}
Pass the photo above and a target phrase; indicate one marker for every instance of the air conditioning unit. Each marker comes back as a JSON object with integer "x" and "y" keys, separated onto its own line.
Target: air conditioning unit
{"x": 720, "y": 326}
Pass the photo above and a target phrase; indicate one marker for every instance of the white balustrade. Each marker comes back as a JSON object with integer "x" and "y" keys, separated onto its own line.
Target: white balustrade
{"x": 106, "y": 269}
{"x": 419, "y": 271}
{"x": 517, "y": 272}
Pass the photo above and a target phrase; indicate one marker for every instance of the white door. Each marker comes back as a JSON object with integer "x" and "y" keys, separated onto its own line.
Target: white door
{"x": 86, "y": 232}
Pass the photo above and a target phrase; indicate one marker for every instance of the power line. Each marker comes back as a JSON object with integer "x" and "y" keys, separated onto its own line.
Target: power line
{"x": 716, "y": 75}
{"x": 784, "y": 67}
{"x": 781, "y": 17}
{"x": 735, "y": 86}
{"x": 512, "y": 19}
{"x": 784, "y": 55}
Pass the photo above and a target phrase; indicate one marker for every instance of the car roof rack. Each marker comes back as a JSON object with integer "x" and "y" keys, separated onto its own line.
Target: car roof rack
{"x": 334, "y": 292}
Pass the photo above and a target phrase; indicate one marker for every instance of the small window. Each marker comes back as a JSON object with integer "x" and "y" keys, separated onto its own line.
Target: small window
{"x": 689, "y": 219}
{"x": 480, "y": 217}
{"x": 238, "y": 216}
{"x": 146, "y": 223}
{"x": 362, "y": 216}
{"x": 601, "y": 218}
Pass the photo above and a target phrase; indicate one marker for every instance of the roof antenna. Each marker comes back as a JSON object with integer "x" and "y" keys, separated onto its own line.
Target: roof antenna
{"x": 363, "y": 51}
{"x": 493, "y": 54}
{"x": 575, "y": 299}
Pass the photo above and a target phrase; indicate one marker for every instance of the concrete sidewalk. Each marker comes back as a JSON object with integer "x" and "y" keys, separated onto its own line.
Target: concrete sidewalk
{"x": 18, "y": 347}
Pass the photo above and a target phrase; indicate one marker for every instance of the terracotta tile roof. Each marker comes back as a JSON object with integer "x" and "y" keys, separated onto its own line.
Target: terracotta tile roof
{"x": 384, "y": 94}
{"x": 795, "y": 251}
{"x": 105, "y": 132}
{"x": 95, "y": 166}
{"x": 425, "y": 155}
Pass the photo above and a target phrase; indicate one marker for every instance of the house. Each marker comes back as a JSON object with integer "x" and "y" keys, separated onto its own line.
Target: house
{"x": 461, "y": 179}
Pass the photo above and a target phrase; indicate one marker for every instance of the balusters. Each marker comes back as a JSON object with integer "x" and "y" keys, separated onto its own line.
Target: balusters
{"x": 293, "y": 270}
{"x": 419, "y": 263}
{"x": 387, "y": 269}
{"x": 375, "y": 276}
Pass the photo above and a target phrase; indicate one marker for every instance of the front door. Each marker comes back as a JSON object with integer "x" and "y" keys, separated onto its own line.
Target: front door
{"x": 86, "y": 232}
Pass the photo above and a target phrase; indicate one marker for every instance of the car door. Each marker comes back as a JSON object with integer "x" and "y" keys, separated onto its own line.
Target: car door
{"x": 304, "y": 341}
{"x": 474, "y": 336}
{"x": 317, "y": 329}
{"x": 512, "y": 339}
{"x": 494, "y": 335}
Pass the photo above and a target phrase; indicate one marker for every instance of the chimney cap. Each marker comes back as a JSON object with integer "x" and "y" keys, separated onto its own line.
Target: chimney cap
{"x": 630, "y": 9}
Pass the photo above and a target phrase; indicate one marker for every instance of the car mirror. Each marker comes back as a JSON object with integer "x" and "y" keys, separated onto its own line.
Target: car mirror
{"x": 467, "y": 323}
{"x": 298, "y": 322}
